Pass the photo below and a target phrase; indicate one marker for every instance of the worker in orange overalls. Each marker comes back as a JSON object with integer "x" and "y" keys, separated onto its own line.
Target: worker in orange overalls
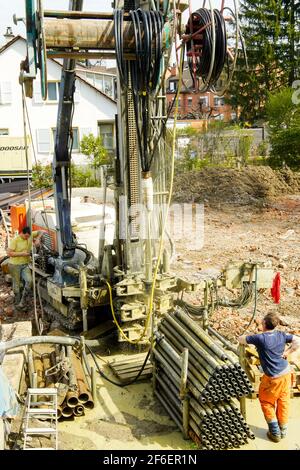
{"x": 274, "y": 390}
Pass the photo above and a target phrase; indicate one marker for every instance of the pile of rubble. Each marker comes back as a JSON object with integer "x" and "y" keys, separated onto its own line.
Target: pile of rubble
{"x": 249, "y": 185}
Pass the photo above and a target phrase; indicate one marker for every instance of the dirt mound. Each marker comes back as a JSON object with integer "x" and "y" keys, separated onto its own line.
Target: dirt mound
{"x": 249, "y": 185}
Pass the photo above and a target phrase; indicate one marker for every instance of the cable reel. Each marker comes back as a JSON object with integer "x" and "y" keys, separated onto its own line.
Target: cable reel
{"x": 212, "y": 47}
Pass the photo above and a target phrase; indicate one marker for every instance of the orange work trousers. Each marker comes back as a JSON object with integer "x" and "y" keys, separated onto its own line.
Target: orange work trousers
{"x": 274, "y": 397}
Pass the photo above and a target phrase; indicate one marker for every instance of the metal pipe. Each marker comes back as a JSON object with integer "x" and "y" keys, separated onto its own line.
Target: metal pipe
{"x": 171, "y": 373}
{"x": 223, "y": 340}
{"x": 181, "y": 343}
{"x": 169, "y": 410}
{"x": 194, "y": 385}
{"x": 212, "y": 362}
{"x": 67, "y": 412}
{"x": 172, "y": 399}
{"x": 30, "y": 365}
{"x": 191, "y": 325}
{"x": 5, "y": 346}
{"x": 94, "y": 383}
{"x": 78, "y": 410}
{"x": 183, "y": 391}
{"x": 81, "y": 15}
{"x": 84, "y": 394}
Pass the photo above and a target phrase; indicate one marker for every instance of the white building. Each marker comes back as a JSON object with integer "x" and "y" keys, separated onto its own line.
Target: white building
{"x": 94, "y": 110}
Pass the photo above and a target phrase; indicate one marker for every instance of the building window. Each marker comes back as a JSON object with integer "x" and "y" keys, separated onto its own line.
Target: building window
{"x": 53, "y": 92}
{"x": 172, "y": 85}
{"x": 43, "y": 140}
{"x": 203, "y": 101}
{"x": 190, "y": 102}
{"x": 106, "y": 131}
{"x": 75, "y": 146}
{"x": 105, "y": 83}
{"x": 219, "y": 117}
{"x": 219, "y": 101}
{"x": 3, "y": 131}
{"x": 233, "y": 116}
{"x": 5, "y": 93}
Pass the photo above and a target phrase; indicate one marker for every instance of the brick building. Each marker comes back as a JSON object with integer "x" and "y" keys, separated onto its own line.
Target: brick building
{"x": 194, "y": 105}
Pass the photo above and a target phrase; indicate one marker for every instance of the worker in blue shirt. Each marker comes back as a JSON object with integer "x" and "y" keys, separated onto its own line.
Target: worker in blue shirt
{"x": 274, "y": 390}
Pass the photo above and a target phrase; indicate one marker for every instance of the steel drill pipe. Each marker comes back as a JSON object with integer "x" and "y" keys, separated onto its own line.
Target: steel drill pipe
{"x": 171, "y": 372}
{"x": 177, "y": 360}
{"x": 191, "y": 325}
{"x": 173, "y": 399}
{"x": 212, "y": 362}
{"x": 226, "y": 343}
{"x": 174, "y": 390}
{"x": 171, "y": 413}
{"x": 179, "y": 342}
{"x": 229, "y": 369}
{"x": 197, "y": 392}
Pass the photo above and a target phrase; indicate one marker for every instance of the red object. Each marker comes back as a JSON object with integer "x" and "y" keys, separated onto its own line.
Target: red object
{"x": 275, "y": 291}
{"x": 18, "y": 218}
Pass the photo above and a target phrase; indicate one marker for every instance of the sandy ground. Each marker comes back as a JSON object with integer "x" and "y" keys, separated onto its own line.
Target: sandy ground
{"x": 130, "y": 418}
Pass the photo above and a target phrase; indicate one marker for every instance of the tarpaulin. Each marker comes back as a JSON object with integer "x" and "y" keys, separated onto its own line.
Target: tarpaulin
{"x": 8, "y": 400}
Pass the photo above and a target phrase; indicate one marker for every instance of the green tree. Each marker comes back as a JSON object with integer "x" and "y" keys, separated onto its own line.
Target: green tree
{"x": 284, "y": 128}
{"x": 92, "y": 147}
{"x": 42, "y": 176}
{"x": 271, "y": 32}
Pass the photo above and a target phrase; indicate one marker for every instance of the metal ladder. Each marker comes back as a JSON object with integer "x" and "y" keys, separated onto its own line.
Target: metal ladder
{"x": 33, "y": 411}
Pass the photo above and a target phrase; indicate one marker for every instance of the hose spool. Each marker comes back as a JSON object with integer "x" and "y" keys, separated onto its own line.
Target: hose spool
{"x": 207, "y": 46}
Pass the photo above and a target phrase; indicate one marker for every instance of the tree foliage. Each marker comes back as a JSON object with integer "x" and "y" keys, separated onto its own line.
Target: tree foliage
{"x": 92, "y": 147}
{"x": 81, "y": 176}
{"x": 271, "y": 30}
{"x": 284, "y": 127}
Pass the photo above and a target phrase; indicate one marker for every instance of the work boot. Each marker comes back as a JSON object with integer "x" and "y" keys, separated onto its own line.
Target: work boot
{"x": 283, "y": 430}
{"x": 17, "y": 298}
{"x": 22, "y": 305}
{"x": 274, "y": 431}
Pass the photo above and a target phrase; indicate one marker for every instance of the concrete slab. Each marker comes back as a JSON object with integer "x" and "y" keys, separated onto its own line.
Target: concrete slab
{"x": 14, "y": 359}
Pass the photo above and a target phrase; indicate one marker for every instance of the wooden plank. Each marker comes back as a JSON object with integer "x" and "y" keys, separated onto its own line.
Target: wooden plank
{"x": 99, "y": 330}
{"x": 133, "y": 358}
{"x": 127, "y": 366}
{"x": 132, "y": 373}
{"x": 143, "y": 376}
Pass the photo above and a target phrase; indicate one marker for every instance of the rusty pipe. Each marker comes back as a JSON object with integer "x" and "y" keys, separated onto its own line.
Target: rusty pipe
{"x": 78, "y": 410}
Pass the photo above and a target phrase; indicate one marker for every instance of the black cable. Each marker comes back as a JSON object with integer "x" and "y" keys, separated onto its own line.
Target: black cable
{"x": 144, "y": 70}
{"x": 202, "y": 51}
{"x": 255, "y": 303}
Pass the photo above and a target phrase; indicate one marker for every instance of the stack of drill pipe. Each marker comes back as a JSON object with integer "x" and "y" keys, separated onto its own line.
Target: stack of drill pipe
{"x": 214, "y": 421}
{"x": 216, "y": 372}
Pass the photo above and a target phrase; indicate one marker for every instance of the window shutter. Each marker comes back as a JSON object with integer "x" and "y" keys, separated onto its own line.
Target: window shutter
{"x": 43, "y": 140}
{"x": 5, "y": 93}
{"x": 37, "y": 94}
{"x": 77, "y": 91}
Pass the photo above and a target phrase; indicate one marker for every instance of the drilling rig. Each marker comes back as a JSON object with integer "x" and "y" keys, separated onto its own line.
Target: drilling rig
{"x": 131, "y": 274}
